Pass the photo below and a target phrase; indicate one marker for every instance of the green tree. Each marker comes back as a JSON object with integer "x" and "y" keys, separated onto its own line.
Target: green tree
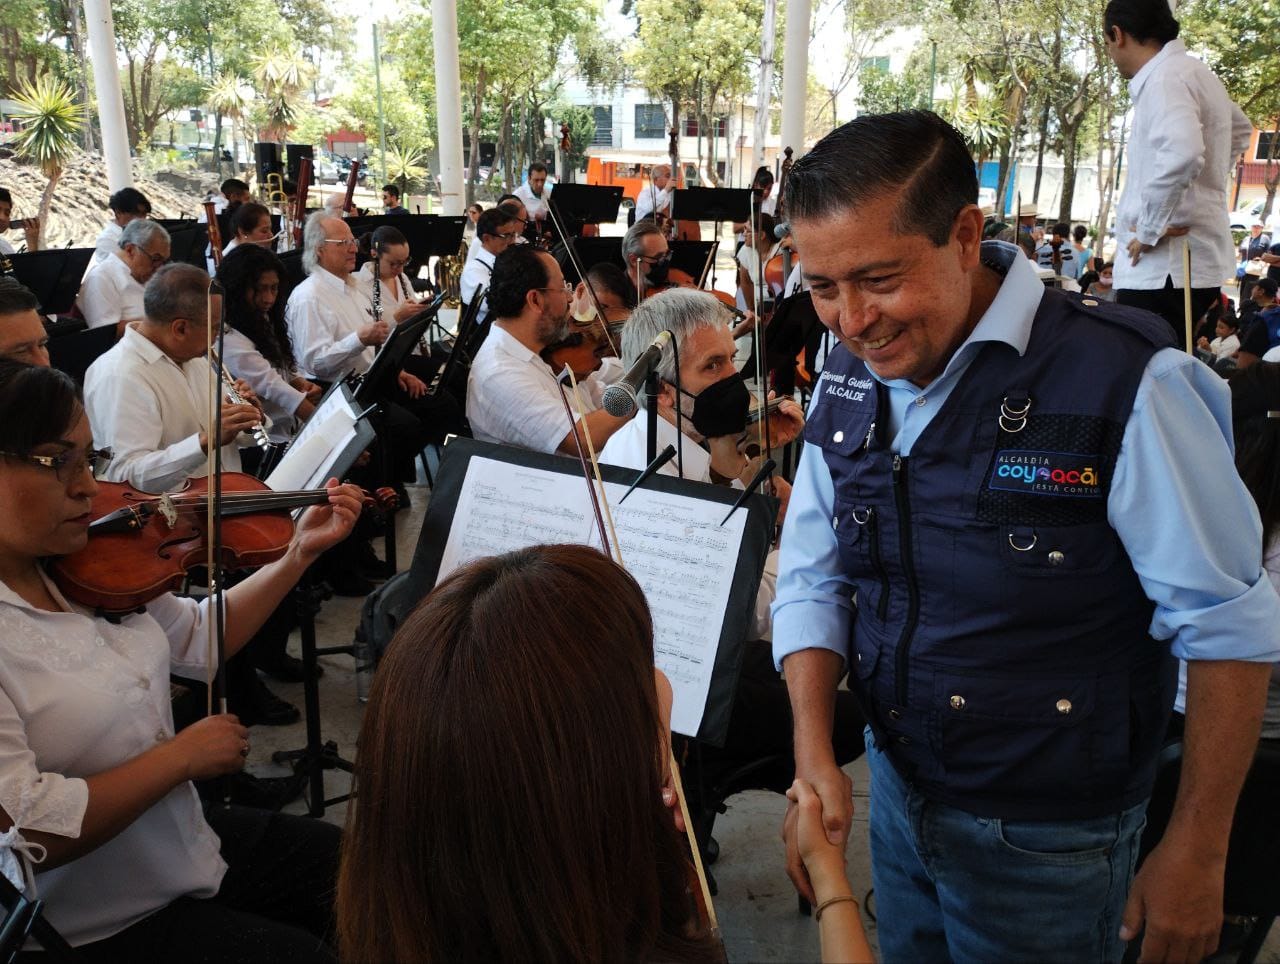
{"x": 51, "y": 121}
{"x": 1239, "y": 41}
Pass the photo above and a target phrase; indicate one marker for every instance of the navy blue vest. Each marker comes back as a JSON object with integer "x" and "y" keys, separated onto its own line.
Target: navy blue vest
{"x": 1001, "y": 647}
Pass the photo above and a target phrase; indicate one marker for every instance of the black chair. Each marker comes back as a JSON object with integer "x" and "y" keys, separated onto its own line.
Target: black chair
{"x": 1252, "y": 879}
{"x": 74, "y": 353}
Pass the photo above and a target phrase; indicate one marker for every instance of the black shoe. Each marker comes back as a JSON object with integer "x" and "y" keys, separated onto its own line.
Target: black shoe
{"x": 348, "y": 582}
{"x": 267, "y": 709}
{"x": 285, "y": 668}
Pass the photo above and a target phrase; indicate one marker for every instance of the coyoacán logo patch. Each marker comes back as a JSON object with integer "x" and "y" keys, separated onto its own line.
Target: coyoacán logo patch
{"x": 1047, "y": 473}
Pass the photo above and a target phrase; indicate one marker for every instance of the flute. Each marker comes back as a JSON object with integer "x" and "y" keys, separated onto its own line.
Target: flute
{"x": 229, "y": 392}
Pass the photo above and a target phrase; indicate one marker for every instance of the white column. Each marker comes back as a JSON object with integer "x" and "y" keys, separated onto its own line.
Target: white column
{"x": 106, "y": 82}
{"x": 764, "y": 93}
{"x": 444, "y": 30}
{"x": 795, "y": 75}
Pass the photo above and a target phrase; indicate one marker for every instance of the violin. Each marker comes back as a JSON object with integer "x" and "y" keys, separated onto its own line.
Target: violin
{"x": 142, "y": 545}
{"x": 586, "y": 346}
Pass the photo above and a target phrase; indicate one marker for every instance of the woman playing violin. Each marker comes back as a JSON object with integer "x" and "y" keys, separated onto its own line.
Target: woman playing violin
{"x": 95, "y": 791}
{"x": 512, "y": 801}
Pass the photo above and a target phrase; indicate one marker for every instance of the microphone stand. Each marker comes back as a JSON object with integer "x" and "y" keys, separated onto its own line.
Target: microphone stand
{"x": 651, "y": 414}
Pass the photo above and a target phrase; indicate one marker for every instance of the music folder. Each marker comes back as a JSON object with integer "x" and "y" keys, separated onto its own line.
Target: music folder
{"x": 391, "y": 355}
{"x": 699, "y": 576}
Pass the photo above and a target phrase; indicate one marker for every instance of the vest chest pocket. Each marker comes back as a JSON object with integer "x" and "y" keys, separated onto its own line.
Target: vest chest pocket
{"x": 1050, "y": 552}
{"x": 857, "y": 529}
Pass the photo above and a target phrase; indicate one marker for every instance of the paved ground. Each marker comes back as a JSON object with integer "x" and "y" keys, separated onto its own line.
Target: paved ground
{"x": 756, "y": 903}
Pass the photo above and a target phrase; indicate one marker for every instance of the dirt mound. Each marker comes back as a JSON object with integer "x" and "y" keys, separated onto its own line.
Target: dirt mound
{"x": 80, "y": 201}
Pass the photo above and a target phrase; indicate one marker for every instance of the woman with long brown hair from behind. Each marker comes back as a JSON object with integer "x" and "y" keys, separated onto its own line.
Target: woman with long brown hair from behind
{"x": 510, "y": 772}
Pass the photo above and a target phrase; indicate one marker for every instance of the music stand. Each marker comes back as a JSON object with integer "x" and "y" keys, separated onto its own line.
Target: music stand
{"x": 712, "y": 204}
{"x": 293, "y": 273}
{"x": 310, "y": 762}
{"x": 594, "y": 251}
{"x": 188, "y": 243}
{"x": 581, "y": 204}
{"x": 691, "y": 257}
{"x": 53, "y": 276}
{"x": 745, "y": 570}
{"x": 391, "y": 356}
{"x": 429, "y": 236}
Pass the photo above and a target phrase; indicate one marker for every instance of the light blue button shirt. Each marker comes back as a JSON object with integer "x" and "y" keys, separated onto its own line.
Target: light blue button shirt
{"x": 1177, "y": 503}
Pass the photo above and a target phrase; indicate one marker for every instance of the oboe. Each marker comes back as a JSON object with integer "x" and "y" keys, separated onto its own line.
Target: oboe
{"x": 259, "y": 431}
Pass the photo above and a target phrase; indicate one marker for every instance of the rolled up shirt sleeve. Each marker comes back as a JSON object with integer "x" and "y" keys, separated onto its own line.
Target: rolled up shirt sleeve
{"x": 1187, "y": 521}
{"x": 814, "y": 604}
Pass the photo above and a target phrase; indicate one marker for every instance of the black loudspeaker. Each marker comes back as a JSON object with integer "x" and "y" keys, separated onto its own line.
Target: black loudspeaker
{"x": 266, "y": 159}
{"x": 294, "y": 153}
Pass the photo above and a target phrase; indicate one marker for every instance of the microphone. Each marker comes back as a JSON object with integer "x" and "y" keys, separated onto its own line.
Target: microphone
{"x": 620, "y": 398}
{"x": 781, "y": 230}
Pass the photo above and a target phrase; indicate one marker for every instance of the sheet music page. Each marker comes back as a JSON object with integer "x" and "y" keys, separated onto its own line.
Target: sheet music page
{"x": 673, "y": 545}
{"x": 317, "y": 445}
{"x": 684, "y": 560}
{"x": 503, "y": 507}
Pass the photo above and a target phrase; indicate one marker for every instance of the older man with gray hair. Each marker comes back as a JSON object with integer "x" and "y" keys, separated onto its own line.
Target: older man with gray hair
{"x": 654, "y": 199}
{"x": 702, "y": 406}
{"x": 646, "y": 256}
{"x": 112, "y": 293}
{"x": 330, "y": 318}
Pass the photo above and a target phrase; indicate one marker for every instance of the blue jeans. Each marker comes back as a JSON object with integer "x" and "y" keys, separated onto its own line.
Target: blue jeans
{"x": 954, "y": 886}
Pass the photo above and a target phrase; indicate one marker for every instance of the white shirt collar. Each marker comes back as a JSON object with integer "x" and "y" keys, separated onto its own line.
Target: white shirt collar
{"x": 324, "y": 276}
{"x": 512, "y": 346}
{"x": 1139, "y": 80}
{"x": 142, "y": 346}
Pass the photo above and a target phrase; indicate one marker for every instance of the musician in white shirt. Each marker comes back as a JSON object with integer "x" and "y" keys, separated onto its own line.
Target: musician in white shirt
{"x": 147, "y": 398}
{"x": 1186, "y": 136}
{"x": 655, "y": 197}
{"x": 534, "y": 192}
{"x": 512, "y": 394}
{"x": 395, "y": 291}
{"x": 127, "y": 204}
{"x": 496, "y": 231}
{"x": 94, "y": 782}
{"x": 111, "y": 294}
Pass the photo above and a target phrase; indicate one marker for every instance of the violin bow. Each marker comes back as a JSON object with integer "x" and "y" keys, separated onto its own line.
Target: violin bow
{"x": 216, "y": 679}
{"x": 694, "y": 852}
{"x": 567, "y": 241}
{"x": 758, "y": 335}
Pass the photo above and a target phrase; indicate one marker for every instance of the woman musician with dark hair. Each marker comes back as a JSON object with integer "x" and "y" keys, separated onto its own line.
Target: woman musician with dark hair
{"x": 95, "y": 787}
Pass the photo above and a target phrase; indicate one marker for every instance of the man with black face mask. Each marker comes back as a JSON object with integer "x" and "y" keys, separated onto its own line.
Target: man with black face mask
{"x": 703, "y": 409}
{"x": 646, "y": 256}
{"x": 512, "y": 395}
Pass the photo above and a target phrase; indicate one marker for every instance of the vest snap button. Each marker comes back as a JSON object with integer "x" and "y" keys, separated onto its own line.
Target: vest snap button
{"x": 1064, "y": 706}
{"x": 1090, "y": 302}
{"x": 895, "y": 714}
{"x": 1056, "y": 558}
{"x": 838, "y": 437}
{"x": 957, "y": 702}
{"x": 859, "y": 657}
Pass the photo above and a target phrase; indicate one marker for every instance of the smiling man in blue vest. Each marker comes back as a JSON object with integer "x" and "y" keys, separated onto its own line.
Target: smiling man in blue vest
{"x": 996, "y": 528}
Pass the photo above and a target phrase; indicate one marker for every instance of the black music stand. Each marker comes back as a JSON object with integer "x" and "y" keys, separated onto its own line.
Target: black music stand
{"x": 757, "y": 535}
{"x": 579, "y": 204}
{"x": 594, "y": 251}
{"x": 712, "y": 204}
{"x": 692, "y": 257}
{"x": 377, "y": 381}
{"x": 429, "y": 235}
{"x": 310, "y": 761}
{"x": 188, "y": 243}
{"x": 294, "y": 274}
{"x": 74, "y": 353}
{"x": 53, "y": 276}
{"x": 24, "y": 918}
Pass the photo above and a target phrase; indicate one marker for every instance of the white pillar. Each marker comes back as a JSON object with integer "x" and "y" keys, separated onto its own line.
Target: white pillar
{"x": 444, "y": 30}
{"x": 106, "y": 83}
{"x": 764, "y": 93}
{"x": 795, "y": 75}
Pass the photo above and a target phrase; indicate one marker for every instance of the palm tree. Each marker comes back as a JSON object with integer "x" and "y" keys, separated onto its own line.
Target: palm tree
{"x": 282, "y": 76}
{"x": 406, "y": 164}
{"x": 51, "y": 120}
{"x": 230, "y": 96}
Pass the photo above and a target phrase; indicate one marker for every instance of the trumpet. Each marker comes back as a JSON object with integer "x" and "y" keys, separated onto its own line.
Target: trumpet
{"x": 229, "y": 392}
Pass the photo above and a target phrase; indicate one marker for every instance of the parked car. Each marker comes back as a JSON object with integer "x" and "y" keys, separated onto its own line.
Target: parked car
{"x": 1242, "y": 218}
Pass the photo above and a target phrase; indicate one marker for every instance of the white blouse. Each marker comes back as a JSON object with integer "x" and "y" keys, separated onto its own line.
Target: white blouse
{"x": 78, "y": 696}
